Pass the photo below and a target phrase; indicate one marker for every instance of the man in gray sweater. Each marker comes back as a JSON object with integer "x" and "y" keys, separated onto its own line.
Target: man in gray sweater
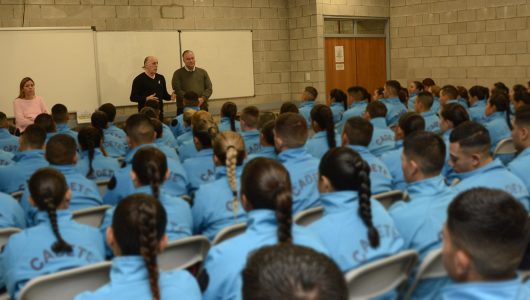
{"x": 191, "y": 78}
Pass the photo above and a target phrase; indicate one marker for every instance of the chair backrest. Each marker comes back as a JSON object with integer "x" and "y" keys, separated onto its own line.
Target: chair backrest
{"x": 91, "y": 216}
{"x": 17, "y": 195}
{"x": 431, "y": 267}
{"x": 229, "y": 232}
{"x": 67, "y": 284}
{"x": 388, "y": 198}
{"x": 308, "y": 216}
{"x": 505, "y": 146}
{"x": 5, "y": 233}
{"x": 381, "y": 276}
{"x": 102, "y": 186}
{"x": 184, "y": 253}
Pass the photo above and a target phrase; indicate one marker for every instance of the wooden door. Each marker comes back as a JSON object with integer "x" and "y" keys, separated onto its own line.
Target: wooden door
{"x": 364, "y": 63}
{"x": 341, "y": 79}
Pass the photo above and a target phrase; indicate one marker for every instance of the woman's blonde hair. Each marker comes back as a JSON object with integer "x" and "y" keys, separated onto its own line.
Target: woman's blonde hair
{"x": 204, "y": 128}
{"x": 229, "y": 148}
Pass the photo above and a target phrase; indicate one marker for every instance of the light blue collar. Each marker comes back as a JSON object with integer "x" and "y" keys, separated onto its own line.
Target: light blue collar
{"x": 127, "y": 269}
{"x": 308, "y": 103}
{"x": 479, "y": 103}
{"x": 65, "y": 169}
{"x": 35, "y": 153}
{"x": 494, "y": 165}
{"x": 360, "y": 149}
{"x": 483, "y": 290}
{"x": 294, "y": 153}
{"x": 359, "y": 103}
{"x": 427, "y": 187}
{"x": 427, "y": 114}
{"x": 62, "y": 215}
{"x": 260, "y": 220}
{"x": 379, "y": 122}
{"x": 495, "y": 115}
{"x": 63, "y": 127}
{"x": 130, "y": 155}
{"x": 220, "y": 171}
{"x": 337, "y": 201}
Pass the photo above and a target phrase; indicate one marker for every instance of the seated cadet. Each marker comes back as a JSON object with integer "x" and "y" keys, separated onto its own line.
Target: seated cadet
{"x": 191, "y": 101}
{"x": 30, "y": 158}
{"x": 137, "y": 236}
{"x": 201, "y": 168}
{"x": 211, "y": 214}
{"x": 170, "y": 152}
{"x": 478, "y": 97}
{"x": 62, "y": 156}
{"x": 414, "y": 88}
{"x": 306, "y": 275}
{"x": 149, "y": 171}
{"x": 110, "y": 110}
{"x": 56, "y": 242}
{"x": 449, "y": 94}
{"x": 92, "y": 162}
{"x": 12, "y": 213}
{"x": 354, "y": 228}
{"x": 167, "y": 137}
{"x": 521, "y": 141}
{"x": 289, "y": 107}
{"x": 474, "y": 165}
{"x": 141, "y": 133}
{"x": 357, "y": 135}
{"x": 8, "y": 142}
{"x": 60, "y": 117}
{"x": 358, "y": 100}
{"x": 189, "y": 149}
{"x": 339, "y": 104}
{"x": 45, "y": 121}
{"x": 114, "y": 146}
{"x": 497, "y": 119}
{"x": 290, "y": 135}
{"x": 423, "y": 106}
{"x": 395, "y": 108}
{"x": 266, "y": 195}
{"x": 266, "y": 139}
{"x": 451, "y": 115}
{"x": 188, "y": 135}
{"x": 324, "y": 128}
{"x": 484, "y": 240}
{"x": 379, "y": 93}
{"x": 228, "y": 117}
{"x": 408, "y": 123}
{"x": 249, "y": 129}
{"x": 6, "y": 158}
{"x": 309, "y": 97}
{"x": 383, "y": 138}
{"x": 520, "y": 99}
{"x": 420, "y": 220}
{"x": 500, "y": 87}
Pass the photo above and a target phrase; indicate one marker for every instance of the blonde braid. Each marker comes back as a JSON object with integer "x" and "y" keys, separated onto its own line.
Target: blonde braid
{"x": 231, "y": 162}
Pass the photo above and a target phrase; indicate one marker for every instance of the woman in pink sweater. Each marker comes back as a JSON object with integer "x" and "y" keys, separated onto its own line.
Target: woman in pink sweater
{"x": 27, "y": 105}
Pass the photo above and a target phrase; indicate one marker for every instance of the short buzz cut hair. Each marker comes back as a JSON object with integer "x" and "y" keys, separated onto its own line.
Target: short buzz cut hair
{"x": 59, "y": 113}
{"x": 410, "y": 122}
{"x": 522, "y": 116}
{"x": 292, "y": 129}
{"x": 493, "y": 227}
{"x": 376, "y": 109}
{"x": 427, "y": 149}
{"x": 34, "y": 136}
{"x": 61, "y": 150}
{"x": 45, "y": 121}
{"x": 471, "y": 135}
{"x": 426, "y": 99}
{"x": 110, "y": 110}
{"x": 311, "y": 91}
{"x": 250, "y": 115}
{"x": 450, "y": 90}
{"x": 305, "y": 275}
{"x": 140, "y": 129}
{"x": 358, "y": 131}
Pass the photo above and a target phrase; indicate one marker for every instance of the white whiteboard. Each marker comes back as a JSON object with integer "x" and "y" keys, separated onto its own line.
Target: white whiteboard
{"x": 120, "y": 56}
{"x": 60, "y": 61}
{"x": 227, "y": 57}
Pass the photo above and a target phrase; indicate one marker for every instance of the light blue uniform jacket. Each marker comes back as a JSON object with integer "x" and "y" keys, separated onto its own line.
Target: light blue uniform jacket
{"x": 498, "y": 128}
{"x": 8, "y": 142}
{"x": 498, "y": 290}
{"x": 186, "y": 137}
{"x": 267, "y": 152}
{"x": 345, "y": 235}
{"x": 13, "y": 178}
{"x": 412, "y": 100}
{"x": 116, "y": 131}
{"x": 317, "y": 145}
{"x": 252, "y": 143}
{"x": 303, "y": 171}
{"x": 305, "y": 110}
{"x": 383, "y": 138}
{"x": 187, "y": 150}
{"x": 167, "y": 150}
{"x": 200, "y": 169}
{"x": 103, "y": 166}
{"x": 520, "y": 166}
{"x": 337, "y": 109}
{"x": 65, "y": 129}
{"x": 380, "y": 177}
{"x": 129, "y": 280}
{"x": 85, "y": 193}
{"x": 477, "y": 110}
{"x": 29, "y": 254}
{"x": 394, "y": 110}
{"x": 224, "y": 125}
{"x": 212, "y": 208}
{"x": 11, "y": 213}
{"x": 420, "y": 222}
{"x": 121, "y": 184}
{"x": 114, "y": 146}
{"x": 177, "y": 124}
{"x": 356, "y": 109}
{"x": 495, "y": 175}
{"x": 225, "y": 261}
{"x": 392, "y": 160}
{"x": 432, "y": 122}
{"x": 6, "y": 158}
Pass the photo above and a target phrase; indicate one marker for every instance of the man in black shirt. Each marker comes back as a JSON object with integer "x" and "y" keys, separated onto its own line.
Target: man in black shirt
{"x": 150, "y": 85}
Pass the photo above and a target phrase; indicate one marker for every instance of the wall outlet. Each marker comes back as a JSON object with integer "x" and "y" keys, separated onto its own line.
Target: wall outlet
{"x": 307, "y": 76}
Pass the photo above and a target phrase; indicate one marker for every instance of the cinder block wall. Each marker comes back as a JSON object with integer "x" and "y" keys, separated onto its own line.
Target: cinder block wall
{"x": 463, "y": 42}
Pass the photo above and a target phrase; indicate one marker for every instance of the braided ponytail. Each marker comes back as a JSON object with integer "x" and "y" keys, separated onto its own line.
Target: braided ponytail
{"x": 322, "y": 115}
{"x": 48, "y": 189}
{"x": 229, "y": 110}
{"x": 149, "y": 244}
{"x": 365, "y": 209}
{"x": 89, "y": 139}
{"x": 284, "y": 213}
{"x": 231, "y": 161}
{"x": 150, "y": 166}
{"x": 154, "y": 178}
